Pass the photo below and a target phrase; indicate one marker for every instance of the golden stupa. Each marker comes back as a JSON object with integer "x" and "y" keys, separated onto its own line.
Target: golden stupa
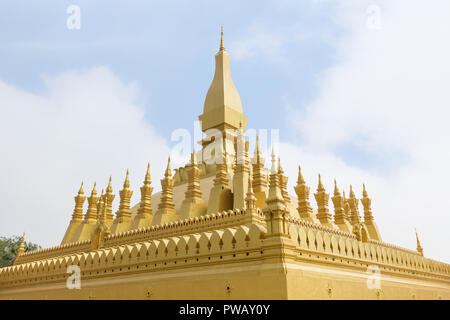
{"x": 224, "y": 229}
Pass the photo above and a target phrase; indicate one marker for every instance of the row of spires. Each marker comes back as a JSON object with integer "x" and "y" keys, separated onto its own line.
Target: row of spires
{"x": 346, "y": 210}
{"x": 100, "y": 208}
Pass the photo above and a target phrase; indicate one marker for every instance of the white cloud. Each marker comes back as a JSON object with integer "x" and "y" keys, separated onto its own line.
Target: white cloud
{"x": 389, "y": 96}
{"x": 86, "y": 126}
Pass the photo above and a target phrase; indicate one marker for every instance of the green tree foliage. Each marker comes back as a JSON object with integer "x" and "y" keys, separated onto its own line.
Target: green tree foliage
{"x": 9, "y": 247}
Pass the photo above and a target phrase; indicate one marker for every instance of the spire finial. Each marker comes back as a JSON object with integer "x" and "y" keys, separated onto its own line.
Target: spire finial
{"x": 81, "y": 191}
{"x": 22, "y": 246}
{"x": 258, "y": 156}
{"x": 126, "y": 184}
{"x": 109, "y": 187}
{"x": 300, "y": 179}
{"x": 365, "y": 195}
{"x": 280, "y": 169}
{"x": 336, "y": 189}
{"x": 419, "y": 247}
{"x": 168, "y": 172}
{"x": 352, "y": 194}
{"x": 147, "y": 179}
{"x": 320, "y": 186}
{"x": 274, "y": 168}
{"x": 222, "y": 46}
{"x": 94, "y": 190}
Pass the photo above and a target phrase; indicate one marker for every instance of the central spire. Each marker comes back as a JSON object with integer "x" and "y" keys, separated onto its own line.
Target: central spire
{"x": 223, "y": 106}
{"x": 222, "y": 46}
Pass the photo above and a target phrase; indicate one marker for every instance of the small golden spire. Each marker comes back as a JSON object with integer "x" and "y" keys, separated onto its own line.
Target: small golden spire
{"x": 274, "y": 168}
{"x": 320, "y": 186}
{"x": 419, "y": 247}
{"x": 147, "y": 179}
{"x": 126, "y": 183}
{"x": 168, "y": 172}
{"x": 365, "y": 195}
{"x": 336, "y": 189}
{"x": 109, "y": 187}
{"x": 258, "y": 156}
{"x": 193, "y": 157}
{"x": 280, "y": 169}
{"x": 94, "y": 190}
{"x": 352, "y": 194}
{"x": 81, "y": 191}
{"x": 22, "y": 246}
{"x": 300, "y": 179}
{"x": 222, "y": 46}
{"x": 250, "y": 199}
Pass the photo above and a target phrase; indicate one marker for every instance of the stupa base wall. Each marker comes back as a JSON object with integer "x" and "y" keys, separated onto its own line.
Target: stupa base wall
{"x": 259, "y": 279}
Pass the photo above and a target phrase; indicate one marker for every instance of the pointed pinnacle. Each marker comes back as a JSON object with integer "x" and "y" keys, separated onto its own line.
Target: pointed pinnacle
{"x": 336, "y": 189}
{"x": 94, "y": 190}
{"x": 300, "y": 179}
{"x": 126, "y": 183}
{"x": 147, "y": 179}
{"x": 280, "y": 169}
{"x": 274, "y": 168}
{"x": 222, "y": 45}
{"x": 109, "y": 187}
{"x": 168, "y": 172}
{"x": 81, "y": 191}
{"x": 320, "y": 186}
{"x": 352, "y": 194}
{"x": 257, "y": 152}
{"x": 365, "y": 195}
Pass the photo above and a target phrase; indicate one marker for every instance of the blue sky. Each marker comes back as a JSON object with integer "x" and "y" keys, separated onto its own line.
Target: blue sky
{"x": 168, "y": 49}
{"x": 352, "y": 101}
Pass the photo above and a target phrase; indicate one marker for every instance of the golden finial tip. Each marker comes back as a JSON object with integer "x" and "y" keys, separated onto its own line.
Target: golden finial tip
{"x": 81, "y": 191}
{"x": 320, "y": 186}
{"x": 222, "y": 46}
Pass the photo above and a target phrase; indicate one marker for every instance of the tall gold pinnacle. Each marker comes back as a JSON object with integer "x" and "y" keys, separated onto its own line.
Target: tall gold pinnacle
{"x": 100, "y": 204}
{"x": 322, "y": 199}
{"x": 280, "y": 169}
{"x": 147, "y": 179}
{"x": 21, "y": 249}
{"x": 300, "y": 179}
{"x": 166, "y": 205}
{"x": 336, "y": 189}
{"x": 109, "y": 198}
{"x": 353, "y": 203}
{"x": 91, "y": 213}
{"x": 81, "y": 191}
{"x": 340, "y": 205}
{"x": 364, "y": 191}
{"x": 124, "y": 212}
{"x": 258, "y": 154}
{"x": 77, "y": 215}
{"x": 274, "y": 161}
{"x": 126, "y": 183}
{"x": 366, "y": 202}
{"x": 419, "y": 247}
{"x": 250, "y": 199}
{"x": 320, "y": 186}
{"x": 168, "y": 172}
{"x": 222, "y": 46}
{"x": 145, "y": 209}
